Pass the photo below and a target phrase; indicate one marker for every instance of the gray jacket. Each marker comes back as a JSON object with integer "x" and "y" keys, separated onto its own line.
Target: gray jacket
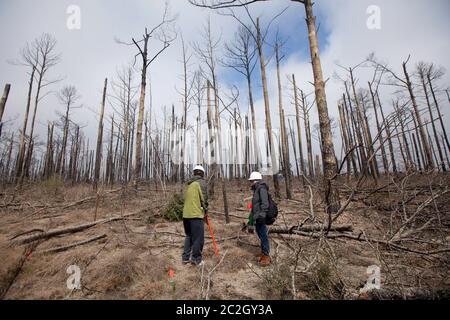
{"x": 260, "y": 201}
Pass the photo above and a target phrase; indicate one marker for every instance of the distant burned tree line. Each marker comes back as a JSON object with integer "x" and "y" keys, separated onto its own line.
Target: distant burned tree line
{"x": 136, "y": 144}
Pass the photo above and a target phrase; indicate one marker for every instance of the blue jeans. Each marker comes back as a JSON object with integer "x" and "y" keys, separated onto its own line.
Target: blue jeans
{"x": 193, "y": 243}
{"x": 261, "y": 230}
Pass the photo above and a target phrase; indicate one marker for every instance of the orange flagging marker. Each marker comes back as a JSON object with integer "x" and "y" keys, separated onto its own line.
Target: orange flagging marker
{"x": 171, "y": 273}
{"x": 212, "y": 236}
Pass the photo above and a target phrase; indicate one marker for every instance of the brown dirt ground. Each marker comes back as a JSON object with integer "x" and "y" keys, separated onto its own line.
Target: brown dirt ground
{"x": 132, "y": 262}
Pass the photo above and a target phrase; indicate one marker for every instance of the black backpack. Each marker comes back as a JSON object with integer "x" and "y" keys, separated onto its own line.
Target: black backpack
{"x": 272, "y": 213}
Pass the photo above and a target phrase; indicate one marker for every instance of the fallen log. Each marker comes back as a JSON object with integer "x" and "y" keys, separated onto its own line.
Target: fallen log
{"x": 24, "y": 233}
{"x": 311, "y": 228}
{"x": 15, "y": 270}
{"x": 361, "y": 237}
{"x": 72, "y": 229}
{"x": 73, "y": 245}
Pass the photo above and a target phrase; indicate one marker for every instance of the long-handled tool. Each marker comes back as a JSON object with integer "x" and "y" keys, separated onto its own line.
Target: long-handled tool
{"x": 212, "y": 235}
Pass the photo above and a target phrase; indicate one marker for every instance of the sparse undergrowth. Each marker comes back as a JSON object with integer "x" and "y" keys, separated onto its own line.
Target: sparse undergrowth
{"x": 134, "y": 259}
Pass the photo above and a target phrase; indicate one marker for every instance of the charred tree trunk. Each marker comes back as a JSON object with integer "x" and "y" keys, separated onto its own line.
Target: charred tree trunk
{"x": 292, "y": 136}
{"x": 22, "y": 147}
{"x": 433, "y": 126}
{"x": 267, "y": 110}
{"x": 74, "y": 167}
{"x": 345, "y": 139}
{"x": 3, "y": 104}
{"x": 283, "y": 135}
{"x": 308, "y": 135}
{"x": 252, "y": 108}
{"x": 416, "y": 150}
{"x": 359, "y": 138}
{"x": 419, "y": 143}
{"x": 98, "y": 155}
{"x": 140, "y": 121}
{"x": 429, "y": 157}
{"x": 211, "y": 143}
{"x": 388, "y": 135}
{"x": 299, "y": 132}
{"x": 7, "y": 171}
{"x": 380, "y": 131}
{"x": 351, "y": 135}
{"x": 366, "y": 131}
{"x": 328, "y": 156}
{"x": 444, "y": 132}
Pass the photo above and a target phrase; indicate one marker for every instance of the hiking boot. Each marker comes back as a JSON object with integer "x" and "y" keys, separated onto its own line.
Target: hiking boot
{"x": 265, "y": 261}
{"x": 186, "y": 261}
{"x": 198, "y": 264}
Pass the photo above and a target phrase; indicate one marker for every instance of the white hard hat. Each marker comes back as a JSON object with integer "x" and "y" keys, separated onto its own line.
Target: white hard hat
{"x": 255, "y": 176}
{"x": 200, "y": 168}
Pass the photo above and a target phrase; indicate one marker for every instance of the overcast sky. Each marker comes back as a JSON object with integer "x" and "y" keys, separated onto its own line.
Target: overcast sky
{"x": 415, "y": 27}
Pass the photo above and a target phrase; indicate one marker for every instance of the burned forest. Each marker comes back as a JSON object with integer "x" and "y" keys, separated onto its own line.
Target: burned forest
{"x": 98, "y": 153}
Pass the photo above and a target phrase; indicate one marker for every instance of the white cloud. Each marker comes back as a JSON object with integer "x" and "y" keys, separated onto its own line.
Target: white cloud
{"x": 407, "y": 27}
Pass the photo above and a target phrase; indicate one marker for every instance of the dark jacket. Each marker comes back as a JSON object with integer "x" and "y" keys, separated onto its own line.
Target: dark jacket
{"x": 260, "y": 201}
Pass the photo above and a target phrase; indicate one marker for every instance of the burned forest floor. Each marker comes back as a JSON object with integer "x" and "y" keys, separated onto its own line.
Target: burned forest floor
{"x": 127, "y": 244}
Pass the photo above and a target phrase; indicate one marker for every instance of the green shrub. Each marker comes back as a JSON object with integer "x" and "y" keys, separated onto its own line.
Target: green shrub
{"x": 173, "y": 211}
{"x": 277, "y": 281}
{"x": 326, "y": 284}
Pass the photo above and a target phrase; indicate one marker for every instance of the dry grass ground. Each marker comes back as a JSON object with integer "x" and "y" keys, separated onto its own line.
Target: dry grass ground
{"x": 134, "y": 259}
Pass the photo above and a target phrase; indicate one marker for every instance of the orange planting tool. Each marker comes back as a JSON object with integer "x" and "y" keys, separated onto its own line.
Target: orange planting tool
{"x": 212, "y": 236}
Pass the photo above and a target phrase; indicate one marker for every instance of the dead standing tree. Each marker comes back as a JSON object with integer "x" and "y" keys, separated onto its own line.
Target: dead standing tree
{"x": 45, "y": 47}
{"x": 164, "y": 34}
{"x": 363, "y": 134}
{"x": 259, "y": 37}
{"x": 423, "y": 70}
{"x": 305, "y": 108}
{"x": 67, "y": 96}
{"x": 122, "y": 102}
{"x": 283, "y": 132}
{"x": 434, "y": 74}
{"x": 206, "y": 52}
{"x": 98, "y": 153}
{"x": 299, "y": 131}
{"x": 240, "y": 56}
{"x": 3, "y": 104}
{"x": 407, "y": 85}
{"x": 39, "y": 56}
{"x": 331, "y": 194}
{"x": 186, "y": 94}
{"x": 381, "y": 141}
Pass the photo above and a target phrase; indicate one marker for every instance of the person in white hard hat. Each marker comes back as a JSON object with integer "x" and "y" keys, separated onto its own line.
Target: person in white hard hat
{"x": 195, "y": 210}
{"x": 260, "y": 206}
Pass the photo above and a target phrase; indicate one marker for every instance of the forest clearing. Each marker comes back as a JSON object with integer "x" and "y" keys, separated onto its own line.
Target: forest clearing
{"x": 99, "y": 202}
